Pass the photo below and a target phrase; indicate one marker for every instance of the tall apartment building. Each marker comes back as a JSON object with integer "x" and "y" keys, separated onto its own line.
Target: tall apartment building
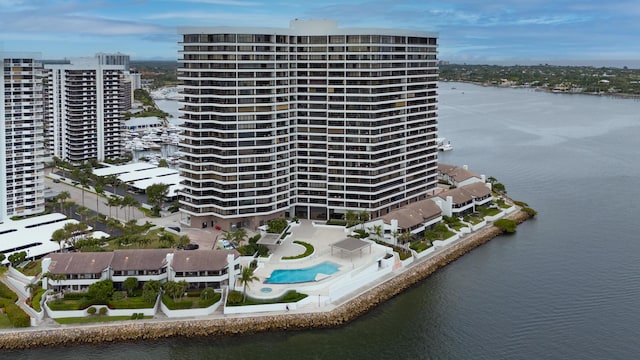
{"x": 21, "y": 136}
{"x": 84, "y": 109}
{"x": 311, "y": 120}
{"x": 114, "y": 59}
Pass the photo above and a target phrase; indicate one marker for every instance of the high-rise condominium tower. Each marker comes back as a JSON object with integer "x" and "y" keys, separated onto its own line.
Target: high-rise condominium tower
{"x": 21, "y": 136}
{"x": 311, "y": 120}
{"x": 84, "y": 108}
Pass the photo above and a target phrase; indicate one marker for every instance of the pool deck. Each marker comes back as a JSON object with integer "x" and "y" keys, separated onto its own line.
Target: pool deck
{"x": 321, "y": 237}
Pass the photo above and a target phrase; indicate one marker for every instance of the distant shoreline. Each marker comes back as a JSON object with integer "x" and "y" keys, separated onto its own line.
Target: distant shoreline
{"x": 342, "y": 314}
{"x": 541, "y": 89}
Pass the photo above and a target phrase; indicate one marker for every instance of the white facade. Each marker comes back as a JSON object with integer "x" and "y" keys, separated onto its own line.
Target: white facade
{"x": 21, "y": 136}
{"x": 84, "y": 106}
{"x": 310, "y": 120}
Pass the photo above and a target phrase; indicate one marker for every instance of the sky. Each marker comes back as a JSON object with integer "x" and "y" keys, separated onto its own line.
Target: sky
{"x": 571, "y": 32}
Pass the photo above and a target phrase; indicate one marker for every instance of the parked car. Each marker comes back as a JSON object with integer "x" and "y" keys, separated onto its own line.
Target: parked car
{"x": 192, "y": 247}
{"x": 56, "y": 180}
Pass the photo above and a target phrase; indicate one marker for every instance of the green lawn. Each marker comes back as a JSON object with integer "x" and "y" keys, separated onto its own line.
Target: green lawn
{"x": 189, "y": 302}
{"x": 473, "y": 219}
{"x": 289, "y": 297}
{"x": 83, "y": 303}
{"x": 130, "y": 303}
{"x": 4, "y": 322}
{"x": 93, "y": 319}
{"x": 33, "y": 268}
{"x": 308, "y": 251}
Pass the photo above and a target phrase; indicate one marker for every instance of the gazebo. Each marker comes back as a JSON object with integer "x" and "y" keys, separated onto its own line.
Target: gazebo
{"x": 350, "y": 245}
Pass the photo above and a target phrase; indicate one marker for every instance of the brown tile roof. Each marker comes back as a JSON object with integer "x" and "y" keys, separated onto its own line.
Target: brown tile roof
{"x": 457, "y": 173}
{"x": 79, "y": 263}
{"x": 458, "y": 195}
{"x": 151, "y": 259}
{"x": 478, "y": 190}
{"x": 413, "y": 214}
{"x": 427, "y": 208}
{"x": 201, "y": 260}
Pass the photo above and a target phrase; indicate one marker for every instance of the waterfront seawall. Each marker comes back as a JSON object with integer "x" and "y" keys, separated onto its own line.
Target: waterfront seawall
{"x": 340, "y": 315}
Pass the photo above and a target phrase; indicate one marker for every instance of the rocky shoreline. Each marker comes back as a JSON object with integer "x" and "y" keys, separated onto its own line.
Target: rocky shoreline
{"x": 342, "y": 314}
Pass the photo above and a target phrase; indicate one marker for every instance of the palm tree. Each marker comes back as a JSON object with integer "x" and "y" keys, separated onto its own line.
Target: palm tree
{"x": 67, "y": 205}
{"x": 60, "y": 236}
{"x": 113, "y": 223}
{"x": 377, "y": 230}
{"x": 363, "y": 216}
{"x": 395, "y": 235}
{"x": 113, "y": 181}
{"x": 351, "y": 217}
{"x": 240, "y": 235}
{"x": 113, "y": 201}
{"x": 32, "y": 288}
{"x": 62, "y": 197}
{"x": 228, "y": 236}
{"x": 405, "y": 237}
{"x": 129, "y": 202}
{"x": 246, "y": 277}
{"x": 99, "y": 188}
{"x": 83, "y": 212}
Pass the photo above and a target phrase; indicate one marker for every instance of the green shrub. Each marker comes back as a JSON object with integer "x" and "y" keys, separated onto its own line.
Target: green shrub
{"x": 118, "y": 295}
{"x": 521, "y": 203}
{"x": 72, "y": 296}
{"x": 506, "y": 225}
{"x": 103, "y": 311}
{"x": 308, "y": 251}
{"x": 293, "y": 296}
{"x": 6, "y": 293}
{"x": 134, "y": 316}
{"x": 254, "y": 239}
{"x": 362, "y": 234}
{"x": 210, "y": 301}
{"x": 419, "y": 246}
{"x": 17, "y": 316}
{"x": 337, "y": 222}
{"x": 91, "y": 311}
{"x": 276, "y": 226}
{"x": 234, "y": 297}
{"x": 35, "y": 303}
{"x": 177, "y": 305}
{"x": 530, "y": 211}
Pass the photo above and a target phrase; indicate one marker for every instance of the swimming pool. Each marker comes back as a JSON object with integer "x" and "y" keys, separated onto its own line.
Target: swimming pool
{"x": 294, "y": 276}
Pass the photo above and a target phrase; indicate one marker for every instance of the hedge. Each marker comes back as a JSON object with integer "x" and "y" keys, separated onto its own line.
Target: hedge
{"x": 6, "y": 293}
{"x": 17, "y": 317}
{"x": 308, "y": 251}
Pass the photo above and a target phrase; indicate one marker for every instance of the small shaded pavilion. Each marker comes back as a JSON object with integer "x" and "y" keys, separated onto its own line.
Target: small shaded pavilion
{"x": 350, "y": 246}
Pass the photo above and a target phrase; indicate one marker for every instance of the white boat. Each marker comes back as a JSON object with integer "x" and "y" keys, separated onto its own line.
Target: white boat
{"x": 444, "y": 144}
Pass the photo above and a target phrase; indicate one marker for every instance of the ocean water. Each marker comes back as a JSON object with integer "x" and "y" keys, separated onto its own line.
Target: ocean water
{"x": 565, "y": 286}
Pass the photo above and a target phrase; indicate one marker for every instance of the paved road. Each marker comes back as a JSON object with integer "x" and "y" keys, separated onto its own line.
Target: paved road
{"x": 90, "y": 198}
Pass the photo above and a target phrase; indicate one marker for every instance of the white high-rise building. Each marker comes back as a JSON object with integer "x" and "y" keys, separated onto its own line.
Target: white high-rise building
{"x": 310, "y": 121}
{"x": 21, "y": 136}
{"x": 84, "y": 110}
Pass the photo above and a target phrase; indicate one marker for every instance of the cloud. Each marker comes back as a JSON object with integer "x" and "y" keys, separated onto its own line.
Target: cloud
{"x": 77, "y": 25}
{"x": 223, "y": 2}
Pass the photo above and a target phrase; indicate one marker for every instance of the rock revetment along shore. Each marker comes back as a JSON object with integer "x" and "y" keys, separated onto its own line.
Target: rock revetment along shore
{"x": 231, "y": 326}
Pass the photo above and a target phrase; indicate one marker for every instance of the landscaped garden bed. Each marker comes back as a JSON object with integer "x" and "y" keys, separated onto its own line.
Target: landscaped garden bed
{"x": 194, "y": 300}
{"x": 236, "y": 298}
{"x": 308, "y": 251}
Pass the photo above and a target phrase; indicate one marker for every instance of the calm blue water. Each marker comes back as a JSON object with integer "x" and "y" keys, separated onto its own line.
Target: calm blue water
{"x": 292, "y": 276}
{"x": 565, "y": 286}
